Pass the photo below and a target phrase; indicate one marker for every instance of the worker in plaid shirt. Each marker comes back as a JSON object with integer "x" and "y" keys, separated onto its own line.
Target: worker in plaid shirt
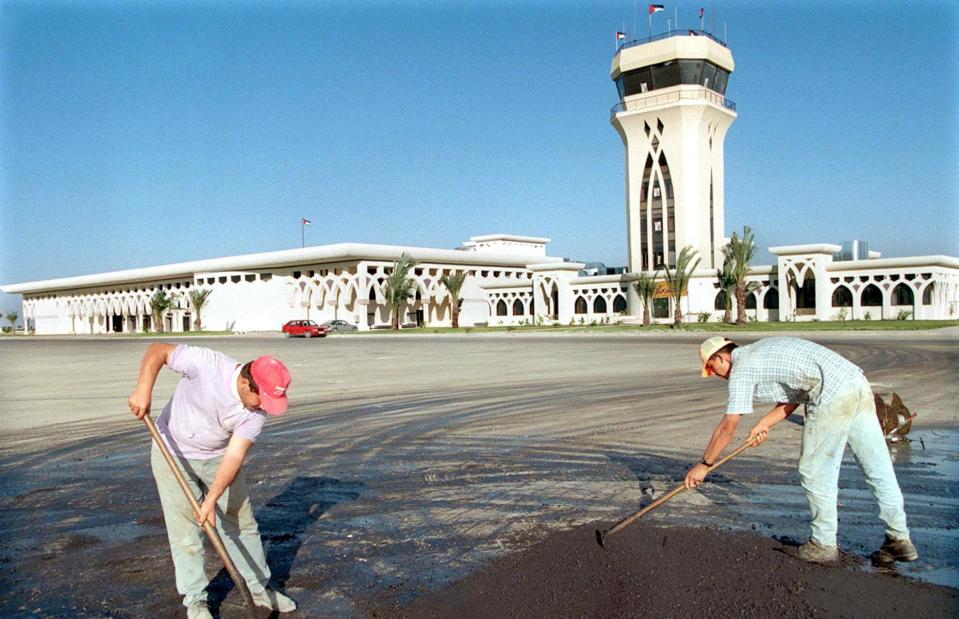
{"x": 840, "y": 410}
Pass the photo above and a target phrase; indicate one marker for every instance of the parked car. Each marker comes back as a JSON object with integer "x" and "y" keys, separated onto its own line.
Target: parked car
{"x": 305, "y": 328}
{"x": 339, "y": 326}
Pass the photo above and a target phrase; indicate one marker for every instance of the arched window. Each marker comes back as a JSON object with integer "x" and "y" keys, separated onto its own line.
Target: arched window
{"x": 580, "y": 305}
{"x": 902, "y": 295}
{"x": 517, "y": 308}
{"x": 927, "y": 294}
{"x": 599, "y": 305}
{"x": 750, "y": 300}
{"x": 771, "y": 300}
{"x": 720, "y": 302}
{"x": 871, "y": 296}
{"x": 619, "y": 304}
{"x": 501, "y": 308}
{"x": 841, "y": 297}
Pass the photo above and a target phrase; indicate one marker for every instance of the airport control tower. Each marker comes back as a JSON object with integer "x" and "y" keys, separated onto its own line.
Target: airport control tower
{"x": 672, "y": 117}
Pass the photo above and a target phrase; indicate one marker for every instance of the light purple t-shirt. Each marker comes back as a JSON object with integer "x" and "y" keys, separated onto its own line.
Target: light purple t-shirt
{"x": 205, "y": 410}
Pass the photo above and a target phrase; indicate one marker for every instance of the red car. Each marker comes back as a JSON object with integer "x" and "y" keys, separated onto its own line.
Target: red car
{"x": 306, "y": 328}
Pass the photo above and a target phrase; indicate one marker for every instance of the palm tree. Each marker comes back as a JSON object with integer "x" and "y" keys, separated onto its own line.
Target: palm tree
{"x": 727, "y": 283}
{"x": 399, "y": 287}
{"x": 12, "y": 318}
{"x": 741, "y": 250}
{"x": 159, "y": 304}
{"x": 678, "y": 280}
{"x": 645, "y": 288}
{"x": 454, "y": 283}
{"x": 198, "y": 297}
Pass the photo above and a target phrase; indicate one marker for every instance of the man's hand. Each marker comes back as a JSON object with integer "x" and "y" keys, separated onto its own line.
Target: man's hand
{"x": 759, "y": 433}
{"x": 139, "y": 402}
{"x": 207, "y": 513}
{"x": 695, "y": 476}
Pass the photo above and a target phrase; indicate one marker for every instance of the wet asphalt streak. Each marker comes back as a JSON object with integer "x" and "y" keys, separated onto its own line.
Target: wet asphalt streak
{"x": 407, "y": 463}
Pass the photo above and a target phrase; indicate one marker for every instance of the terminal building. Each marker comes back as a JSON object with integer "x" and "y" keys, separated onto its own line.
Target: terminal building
{"x": 672, "y": 117}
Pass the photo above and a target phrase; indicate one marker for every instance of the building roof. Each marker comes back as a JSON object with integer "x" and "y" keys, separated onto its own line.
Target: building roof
{"x": 338, "y": 252}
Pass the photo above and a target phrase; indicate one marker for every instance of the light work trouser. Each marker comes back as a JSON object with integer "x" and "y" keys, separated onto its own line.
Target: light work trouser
{"x": 849, "y": 417}
{"x": 234, "y": 521}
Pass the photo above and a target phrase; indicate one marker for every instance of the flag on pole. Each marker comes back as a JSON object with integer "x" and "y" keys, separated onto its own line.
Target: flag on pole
{"x": 656, "y": 8}
{"x": 620, "y": 36}
{"x": 306, "y": 222}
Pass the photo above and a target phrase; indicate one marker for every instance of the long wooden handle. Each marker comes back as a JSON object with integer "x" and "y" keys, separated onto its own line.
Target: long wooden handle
{"x": 211, "y": 531}
{"x": 625, "y": 522}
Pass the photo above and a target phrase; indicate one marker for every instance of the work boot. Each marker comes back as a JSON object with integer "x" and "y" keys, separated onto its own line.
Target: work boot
{"x": 198, "y": 610}
{"x": 815, "y": 552}
{"x": 895, "y": 550}
{"x": 274, "y": 600}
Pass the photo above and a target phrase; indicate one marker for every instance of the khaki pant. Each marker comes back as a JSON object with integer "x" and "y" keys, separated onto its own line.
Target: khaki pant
{"x": 234, "y": 521}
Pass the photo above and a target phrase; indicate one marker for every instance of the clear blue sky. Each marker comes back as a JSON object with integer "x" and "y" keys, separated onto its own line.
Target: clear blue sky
{"x": 142, "y": 133}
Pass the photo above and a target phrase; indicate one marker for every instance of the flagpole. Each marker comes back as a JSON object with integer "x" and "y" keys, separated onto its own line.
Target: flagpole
{"x": 302, "y": 233}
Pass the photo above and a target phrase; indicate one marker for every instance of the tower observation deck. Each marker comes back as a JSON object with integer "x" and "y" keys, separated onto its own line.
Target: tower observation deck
{"x": 672, "y": 116}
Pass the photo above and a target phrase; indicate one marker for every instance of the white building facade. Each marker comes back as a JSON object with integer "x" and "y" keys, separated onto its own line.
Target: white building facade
{"x": 260, "y": 292}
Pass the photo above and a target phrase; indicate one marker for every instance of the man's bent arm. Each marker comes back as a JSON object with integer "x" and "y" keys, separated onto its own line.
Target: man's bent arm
{"x": 225, "y": 474}
{"x": 154, "y": 359}
{"x": 764, "y": 425}
{"x": 723, "y": 433}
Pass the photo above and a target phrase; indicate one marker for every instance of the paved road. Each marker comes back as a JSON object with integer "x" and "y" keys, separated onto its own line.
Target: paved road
{"x": 404, "y": 463}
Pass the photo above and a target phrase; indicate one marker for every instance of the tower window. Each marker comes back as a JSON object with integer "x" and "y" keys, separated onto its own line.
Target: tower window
{"x": 666, "y": 75}
{"x": 721, "y": 78}
{"x": 709, "y": 76}
{"x": 691, "y": 71}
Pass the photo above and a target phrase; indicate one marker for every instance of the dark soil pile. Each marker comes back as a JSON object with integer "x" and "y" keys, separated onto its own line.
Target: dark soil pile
{"x": 675, "y": 572}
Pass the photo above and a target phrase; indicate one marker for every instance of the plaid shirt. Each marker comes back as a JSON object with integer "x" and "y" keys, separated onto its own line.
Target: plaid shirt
{"x": 786, "y": 370}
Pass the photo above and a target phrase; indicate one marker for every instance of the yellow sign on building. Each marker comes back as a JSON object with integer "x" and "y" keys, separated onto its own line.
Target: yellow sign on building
{"x": 663, "y": 291}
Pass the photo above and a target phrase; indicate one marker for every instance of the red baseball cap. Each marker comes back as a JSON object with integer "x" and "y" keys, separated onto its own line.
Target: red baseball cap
{"x": 272, "y": 378}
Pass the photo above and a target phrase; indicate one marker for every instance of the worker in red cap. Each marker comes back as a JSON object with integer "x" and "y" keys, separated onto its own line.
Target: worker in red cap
{"x": 840, "y": 410}
{"x": 215, "y": 415}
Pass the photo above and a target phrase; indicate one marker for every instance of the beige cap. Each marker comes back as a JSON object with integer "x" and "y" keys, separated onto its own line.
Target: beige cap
{"x": 709, "y": 348}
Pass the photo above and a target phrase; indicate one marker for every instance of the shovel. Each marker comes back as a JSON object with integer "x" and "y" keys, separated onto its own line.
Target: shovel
{"x": 625, "y": 522}
{"x": 211, "y": 531}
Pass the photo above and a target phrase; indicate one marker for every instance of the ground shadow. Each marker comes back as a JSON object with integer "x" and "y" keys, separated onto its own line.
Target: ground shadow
{"x": 657, "y": 474}
{"x": 284, "y": 521}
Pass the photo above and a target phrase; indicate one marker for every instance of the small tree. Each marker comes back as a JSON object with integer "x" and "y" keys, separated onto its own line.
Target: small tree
{"x": 645, "y": 288}
{"x": 12, "y": 319}
{"x": 398, "y": 288}
{"x": 454, "y": 283}
{"x": 678, "y": 279}
{"x": 159, "y": 304}
{"x": 198, "y": 297}
{"x": 741, "y": 250}
{"x": 726, "y": 282}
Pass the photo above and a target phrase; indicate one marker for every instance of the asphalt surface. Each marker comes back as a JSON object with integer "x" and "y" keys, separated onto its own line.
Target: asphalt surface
{"x": 408, "y": 463}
